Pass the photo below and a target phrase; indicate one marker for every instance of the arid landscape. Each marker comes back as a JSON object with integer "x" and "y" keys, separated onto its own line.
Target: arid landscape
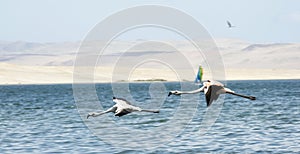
{"x": 47, "y": 63}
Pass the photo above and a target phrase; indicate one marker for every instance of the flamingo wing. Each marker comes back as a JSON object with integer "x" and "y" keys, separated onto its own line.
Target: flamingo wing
{"x": 122, "y": 112}
{"x": 212, "y": 94}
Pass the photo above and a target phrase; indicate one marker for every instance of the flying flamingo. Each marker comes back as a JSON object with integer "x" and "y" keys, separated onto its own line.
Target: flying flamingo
{"x": 212, "y": 90}
{"x": 122, "y": 107}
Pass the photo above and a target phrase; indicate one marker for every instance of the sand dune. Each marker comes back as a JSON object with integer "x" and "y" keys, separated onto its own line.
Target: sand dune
{"x": 17, "y": 74}
{"x": 42, "y": 63}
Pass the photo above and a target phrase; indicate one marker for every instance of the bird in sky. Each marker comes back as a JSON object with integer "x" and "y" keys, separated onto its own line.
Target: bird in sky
{"x": 229, "y": 24}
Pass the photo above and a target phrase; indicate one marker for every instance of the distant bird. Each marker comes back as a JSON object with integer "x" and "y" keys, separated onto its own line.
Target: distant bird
{"x": 229, "y": 24}
{"x": 212, "y": 90}
{"x": 122, "y": 107}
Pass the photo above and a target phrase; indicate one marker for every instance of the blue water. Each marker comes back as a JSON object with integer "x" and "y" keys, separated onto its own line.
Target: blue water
{"x": 45, "y": 119}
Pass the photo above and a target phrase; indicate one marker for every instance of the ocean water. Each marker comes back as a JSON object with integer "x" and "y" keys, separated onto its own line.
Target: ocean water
{"x": 46, "y": 119}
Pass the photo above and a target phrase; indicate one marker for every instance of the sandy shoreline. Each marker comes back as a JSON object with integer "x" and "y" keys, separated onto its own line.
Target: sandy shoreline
{"x": 11, "y": 74}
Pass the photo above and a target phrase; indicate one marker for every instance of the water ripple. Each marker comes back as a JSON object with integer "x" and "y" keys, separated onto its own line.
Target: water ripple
{"x": 44, "y": 119}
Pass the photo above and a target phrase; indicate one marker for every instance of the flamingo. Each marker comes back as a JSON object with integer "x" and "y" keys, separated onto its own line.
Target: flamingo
{"x": 212, "y": 90}
{"x": 122, "y": 107}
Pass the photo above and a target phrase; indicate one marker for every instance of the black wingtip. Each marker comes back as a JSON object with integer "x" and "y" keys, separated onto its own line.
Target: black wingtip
{"x": 114, "y": 97}
{"x": 252, "y": 98}
{"x": 169, "y": 94}
{"x": 87, "y": 116}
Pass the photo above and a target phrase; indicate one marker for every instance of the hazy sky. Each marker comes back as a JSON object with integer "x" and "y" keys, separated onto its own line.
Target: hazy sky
{"x": 258, "y": 21}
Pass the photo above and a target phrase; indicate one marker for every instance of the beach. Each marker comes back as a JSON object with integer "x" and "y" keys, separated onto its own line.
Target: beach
{"x": 26, "y": 74}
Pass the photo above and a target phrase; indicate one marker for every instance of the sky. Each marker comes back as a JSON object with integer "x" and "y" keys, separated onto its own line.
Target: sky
{"x": 257, "y": 21}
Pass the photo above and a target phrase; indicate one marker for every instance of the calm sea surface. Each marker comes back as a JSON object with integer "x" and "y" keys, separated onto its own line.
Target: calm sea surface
{"x": 45, "y": 119}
